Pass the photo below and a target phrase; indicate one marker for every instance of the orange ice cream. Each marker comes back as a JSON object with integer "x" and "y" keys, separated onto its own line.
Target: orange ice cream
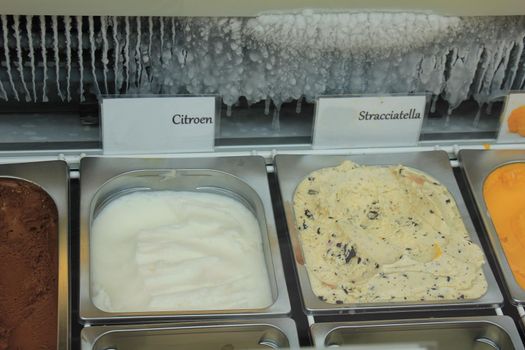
{"x": 516, "y": 121}
{"x": 504, "y": 193}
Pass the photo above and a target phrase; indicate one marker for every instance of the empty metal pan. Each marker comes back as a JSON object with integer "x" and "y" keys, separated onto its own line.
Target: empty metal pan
{"x": 469, "y": 333}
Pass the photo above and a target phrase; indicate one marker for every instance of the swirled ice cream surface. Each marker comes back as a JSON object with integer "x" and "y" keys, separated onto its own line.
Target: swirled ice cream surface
{"x": 382, "y": 234}
{"x": 176, "y": 250}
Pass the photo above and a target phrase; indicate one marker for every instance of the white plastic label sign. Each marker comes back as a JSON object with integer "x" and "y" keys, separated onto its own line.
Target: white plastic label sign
{"x": 158, "y": 124}
{"x": 353, "y": 122}
{"x": 512, "y": 121}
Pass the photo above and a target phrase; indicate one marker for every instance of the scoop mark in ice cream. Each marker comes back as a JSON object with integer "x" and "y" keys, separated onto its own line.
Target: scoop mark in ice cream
{"x": 28, "y": 267}
{"x": 376, "y": 234}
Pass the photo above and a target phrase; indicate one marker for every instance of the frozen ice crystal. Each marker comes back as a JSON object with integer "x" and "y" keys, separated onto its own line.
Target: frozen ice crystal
{"x": 274, "y": 57}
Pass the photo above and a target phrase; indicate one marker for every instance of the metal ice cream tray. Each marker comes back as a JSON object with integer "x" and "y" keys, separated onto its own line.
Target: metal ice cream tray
{"x": 477, "y": 165}
{"x": 242, "y": 178}
{"x": 292, "y": 169}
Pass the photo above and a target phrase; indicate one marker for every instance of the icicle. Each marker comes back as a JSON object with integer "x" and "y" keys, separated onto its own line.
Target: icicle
{"x": 489, "y": 108}
{"x": 57, "y": 57}
{"x": 228, "y": 110}
{"x": 521, "y": 80}
{"x": 16, "y": 27}
{"x": 2, "y": 90}
{"x": 171, "y": 83}
{"x": 173, "y": 32}
{"x": 146, "y": 58}
{"x": 276, "y": 124}
{"x": 138, "y": 58}
{"x": 80, "y": 59}
{"x": 126, "y": 53}
{"x": 150, "y": 32}
{"x": 150, "y": 42}
{"x": 117, "y": 53}
{"x": 92, "y": 50}
{"x": 447, "y": 118}
{"x": 44, "y": 56}
{"x": 515, "y": 66}
{"x": 477, "y": 118}
{"x": 29, "y": 30}
{"x": 103, "y": 28}
{"x": 434, "y": 103}
{"x": 499, "y": 73}
{"x": 267, "y": 103}
{"x": 67, "y": 23}
{"x": 491, "y": 70}
{"x": 7, "y": 56}
{"x": 161, "y": 27}
{"x": 299, "y": 105}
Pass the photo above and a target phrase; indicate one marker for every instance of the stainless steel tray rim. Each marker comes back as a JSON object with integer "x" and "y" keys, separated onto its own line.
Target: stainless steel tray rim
{"x": 168, "y": 170}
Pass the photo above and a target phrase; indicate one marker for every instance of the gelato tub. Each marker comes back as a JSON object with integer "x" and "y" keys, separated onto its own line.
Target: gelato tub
{"x": 178, "y": 238}
{"x": 395, "y": 246}
{"x": 468, "y": 333}
{"x": 34, "y": 287}
{"x": 257, "y": 334}
{"x": 495, "y": 178}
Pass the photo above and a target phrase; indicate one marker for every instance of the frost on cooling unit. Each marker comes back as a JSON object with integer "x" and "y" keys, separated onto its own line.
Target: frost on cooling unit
{"x": 273, "y": 58}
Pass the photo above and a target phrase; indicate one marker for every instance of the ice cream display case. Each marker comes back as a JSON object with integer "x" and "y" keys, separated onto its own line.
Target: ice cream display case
{"x": 314, "y": 174}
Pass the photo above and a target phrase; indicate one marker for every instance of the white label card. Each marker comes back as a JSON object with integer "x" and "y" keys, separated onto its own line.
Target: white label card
{"x": 512, "y": 120}
{"x": 158, "y": 124}
{"x": 354, "y": 122}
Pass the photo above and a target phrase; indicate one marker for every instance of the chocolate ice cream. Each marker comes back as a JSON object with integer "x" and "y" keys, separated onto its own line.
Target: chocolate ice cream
{"x": 28, "y": 267}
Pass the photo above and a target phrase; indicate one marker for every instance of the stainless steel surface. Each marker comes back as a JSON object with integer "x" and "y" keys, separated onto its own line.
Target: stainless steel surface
{"x": 243, "y": 178}
{"x": 477, "y": 165}
{"x": 52, "y": 177}
{"x": 466, "y": 333}
{"x": 257, "y": 334}
{"x": 292, "y": 169}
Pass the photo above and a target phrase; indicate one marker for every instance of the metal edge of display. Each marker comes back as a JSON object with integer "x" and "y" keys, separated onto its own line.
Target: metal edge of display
{"x": 97, "y": 171}
{"x": 292, "y": 169}
{"x": 53, "y": 177}
{"x": 90, "y": 335}
{"x": 476, "y": 166}
{"x": 320, "y": 331}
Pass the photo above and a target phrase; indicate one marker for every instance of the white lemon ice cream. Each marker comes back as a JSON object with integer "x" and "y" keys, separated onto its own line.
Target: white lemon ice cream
{"x": 173, "y": 251}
